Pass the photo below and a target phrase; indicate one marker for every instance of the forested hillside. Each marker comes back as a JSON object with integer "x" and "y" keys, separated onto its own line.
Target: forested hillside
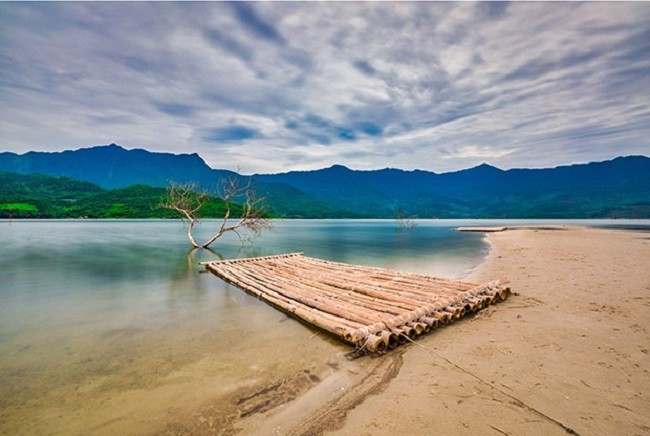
{"x": 38, "y": 196}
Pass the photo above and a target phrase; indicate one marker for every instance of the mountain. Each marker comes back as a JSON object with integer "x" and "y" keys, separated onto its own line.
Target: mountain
{"x": 615, "y": 188}
{"x": 112, "y": 166}
{"x": 337, "y": 186}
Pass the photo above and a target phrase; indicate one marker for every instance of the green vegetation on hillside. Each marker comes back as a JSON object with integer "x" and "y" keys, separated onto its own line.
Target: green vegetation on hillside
{"x": 37, "y": 196}
{"x": 288, "y": 202}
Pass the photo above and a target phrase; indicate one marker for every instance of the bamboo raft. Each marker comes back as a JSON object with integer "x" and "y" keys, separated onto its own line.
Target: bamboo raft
{"x": 374, "y": 309}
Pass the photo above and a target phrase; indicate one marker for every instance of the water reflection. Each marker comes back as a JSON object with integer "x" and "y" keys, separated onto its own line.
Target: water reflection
{"x": 186, "y": 275}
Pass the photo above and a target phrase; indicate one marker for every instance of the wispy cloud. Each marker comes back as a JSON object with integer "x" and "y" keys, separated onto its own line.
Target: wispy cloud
{"x": 276, "y": 86}
{"x": 251, "y": 20}
{"x": 477, "y": 152}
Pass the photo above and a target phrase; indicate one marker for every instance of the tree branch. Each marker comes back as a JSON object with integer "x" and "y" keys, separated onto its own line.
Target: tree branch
{"x": 187, "y": 200}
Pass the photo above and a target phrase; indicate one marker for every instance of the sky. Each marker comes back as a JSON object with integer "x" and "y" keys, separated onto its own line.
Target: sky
{"x": 272, "y": 87}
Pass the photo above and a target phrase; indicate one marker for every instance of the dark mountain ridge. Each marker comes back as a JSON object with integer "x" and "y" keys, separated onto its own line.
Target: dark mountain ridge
{"x": 619, "y": 187}
{"x": 112, "y": 166}
{"x": 616, "y": 188}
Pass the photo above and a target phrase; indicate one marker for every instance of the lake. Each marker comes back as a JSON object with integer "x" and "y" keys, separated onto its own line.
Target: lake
{"x": 111, "y": 326}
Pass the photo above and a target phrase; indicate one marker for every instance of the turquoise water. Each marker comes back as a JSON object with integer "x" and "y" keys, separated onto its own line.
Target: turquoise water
{"x": 100, "y": 317}
{"x": 114, "y": 268}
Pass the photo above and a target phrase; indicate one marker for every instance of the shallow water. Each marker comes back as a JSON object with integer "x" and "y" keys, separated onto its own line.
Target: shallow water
{"x": 111, "y": 326}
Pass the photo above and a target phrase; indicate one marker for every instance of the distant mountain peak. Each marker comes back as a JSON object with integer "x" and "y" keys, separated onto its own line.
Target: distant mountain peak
{"x": 115, "y": 148}
{"x": 338, "y": 167}
{"x": 486, "y": 166}
{"x": 482, "y": 169}
{"x": 112, "y": 147}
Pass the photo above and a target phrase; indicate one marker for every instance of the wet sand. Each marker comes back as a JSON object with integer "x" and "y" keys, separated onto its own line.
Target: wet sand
{"x": 568, "y": 354}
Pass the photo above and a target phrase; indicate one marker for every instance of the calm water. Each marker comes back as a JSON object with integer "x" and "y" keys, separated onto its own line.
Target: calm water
{"x": 110, "y": 326}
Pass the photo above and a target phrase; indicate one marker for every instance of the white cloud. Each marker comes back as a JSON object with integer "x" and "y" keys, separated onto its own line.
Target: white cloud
{"x": 478, "y": 152}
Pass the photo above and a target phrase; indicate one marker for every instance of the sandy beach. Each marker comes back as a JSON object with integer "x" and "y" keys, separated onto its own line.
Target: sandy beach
{"x": 568, "y": 353}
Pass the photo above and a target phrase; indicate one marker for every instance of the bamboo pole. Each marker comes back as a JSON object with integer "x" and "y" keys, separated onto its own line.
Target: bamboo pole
{"x": 442, "y": 316}
{"x": 401, "y": 297}
{"x": 391, "y": 272}
{"x": 417, "y": 283}
{"x": 431, "y": 322}
{"x": 367, "y": 312}
{"x": 341, "y": 291}
{"x": 414, "y": 281}
{"x": 376, "y": 343}
{"x": 311, "y": 299}
{"x": 391, "y": 338}
{"x": 338, "y": 293}
{"x": 282, "y": 301}
{"x": 348, "y": 335}
{"x": 464, "y": 293}
{"x": 250, "y": 259}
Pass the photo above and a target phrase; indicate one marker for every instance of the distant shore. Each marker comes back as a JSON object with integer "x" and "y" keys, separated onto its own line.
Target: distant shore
{"x": 568, "y": 354}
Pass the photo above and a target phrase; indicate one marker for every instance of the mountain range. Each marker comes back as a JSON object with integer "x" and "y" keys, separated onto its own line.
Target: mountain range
{"x": 614, "y": 188}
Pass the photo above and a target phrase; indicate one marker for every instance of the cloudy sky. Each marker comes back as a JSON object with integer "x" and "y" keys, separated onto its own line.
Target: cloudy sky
{"x": 269, "y": 87}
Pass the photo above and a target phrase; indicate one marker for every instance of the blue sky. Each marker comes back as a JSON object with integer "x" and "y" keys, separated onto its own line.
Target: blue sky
{"x": 269, "y": 87}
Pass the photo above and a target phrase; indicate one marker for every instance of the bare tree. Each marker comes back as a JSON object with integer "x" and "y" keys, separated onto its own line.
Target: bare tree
{"x": 187, "y": 199}
{"x": 406, "y": 222}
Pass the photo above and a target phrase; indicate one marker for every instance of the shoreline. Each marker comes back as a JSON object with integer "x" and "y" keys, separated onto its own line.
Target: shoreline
{"x": 558, "y": 358}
